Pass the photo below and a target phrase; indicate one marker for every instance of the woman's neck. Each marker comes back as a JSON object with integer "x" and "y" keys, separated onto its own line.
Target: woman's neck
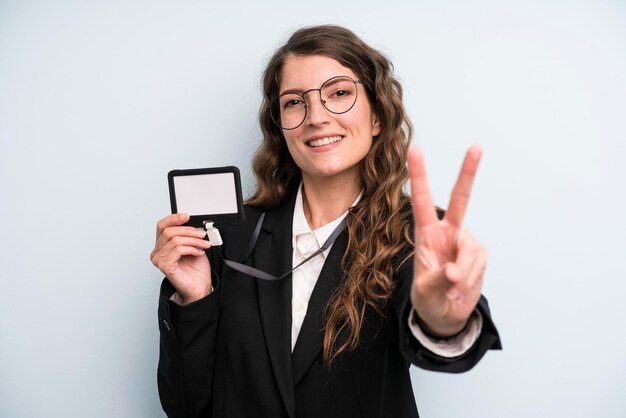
{"x": 326, "y": 199}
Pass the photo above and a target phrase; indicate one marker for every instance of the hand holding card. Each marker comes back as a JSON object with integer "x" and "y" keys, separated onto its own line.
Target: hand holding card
{"x": 200, "y": 198}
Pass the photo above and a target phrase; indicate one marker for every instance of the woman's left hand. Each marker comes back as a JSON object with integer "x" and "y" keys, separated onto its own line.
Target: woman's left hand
{"x": 449, "y": 262}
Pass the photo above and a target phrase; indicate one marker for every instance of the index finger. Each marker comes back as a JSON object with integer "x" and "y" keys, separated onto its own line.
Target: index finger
{"x": 463, "y": 187}
{"x": 176, "y": 219}
{"x": 424, "y": 211}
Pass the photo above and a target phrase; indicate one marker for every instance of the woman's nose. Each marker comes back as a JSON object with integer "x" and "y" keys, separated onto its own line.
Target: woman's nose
{"x": 316, "y": 112}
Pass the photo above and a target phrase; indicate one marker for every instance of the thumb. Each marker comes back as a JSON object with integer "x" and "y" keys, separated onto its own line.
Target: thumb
{"x": 452, "y": 272}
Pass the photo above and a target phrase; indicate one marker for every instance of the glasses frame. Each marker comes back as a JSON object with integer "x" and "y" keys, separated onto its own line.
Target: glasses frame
{"x": 306, "y": 106}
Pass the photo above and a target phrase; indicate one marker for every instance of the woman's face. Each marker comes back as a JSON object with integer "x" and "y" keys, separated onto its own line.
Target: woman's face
{"x": 327, "y": 144}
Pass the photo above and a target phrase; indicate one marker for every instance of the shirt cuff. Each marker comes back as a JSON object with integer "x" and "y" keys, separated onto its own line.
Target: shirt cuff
{"x": 453, "y": 346}
{"x": 178, "y": 299}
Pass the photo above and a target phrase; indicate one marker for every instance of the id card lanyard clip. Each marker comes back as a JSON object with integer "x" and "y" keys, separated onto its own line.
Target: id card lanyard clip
{"x": 212, "y": 233}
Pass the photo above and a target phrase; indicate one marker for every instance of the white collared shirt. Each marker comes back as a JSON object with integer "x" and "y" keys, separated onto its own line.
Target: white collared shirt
{"x": 305, "y": 242}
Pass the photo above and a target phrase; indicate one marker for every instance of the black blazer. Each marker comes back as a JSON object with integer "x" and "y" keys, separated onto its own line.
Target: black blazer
{"x": 229, "y": 354}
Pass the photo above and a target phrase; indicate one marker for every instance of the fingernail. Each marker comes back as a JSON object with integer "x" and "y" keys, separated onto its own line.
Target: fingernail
{"x": 182, "y": 216}
{"x": 201, "y": 233}
{"x": 453, "y": 293}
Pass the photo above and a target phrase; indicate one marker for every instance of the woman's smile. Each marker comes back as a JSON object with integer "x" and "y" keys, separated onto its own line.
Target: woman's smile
{"x": 326, "y": 140}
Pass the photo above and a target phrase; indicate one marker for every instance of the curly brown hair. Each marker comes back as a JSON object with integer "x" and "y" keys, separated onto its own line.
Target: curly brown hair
{"x": 379, "y": 236}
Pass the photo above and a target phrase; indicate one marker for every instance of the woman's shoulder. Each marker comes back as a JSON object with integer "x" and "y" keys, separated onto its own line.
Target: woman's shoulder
{"x": 253, "y": 211}
{"x": 252, "y": 214}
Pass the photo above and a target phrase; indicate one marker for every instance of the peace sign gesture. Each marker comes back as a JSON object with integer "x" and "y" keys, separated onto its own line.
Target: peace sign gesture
{"x": 448, "y": 263}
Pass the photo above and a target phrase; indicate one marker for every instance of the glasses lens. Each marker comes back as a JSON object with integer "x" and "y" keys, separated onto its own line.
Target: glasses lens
{"x": 339, "y": 94}
{"x": 288, "y": 110}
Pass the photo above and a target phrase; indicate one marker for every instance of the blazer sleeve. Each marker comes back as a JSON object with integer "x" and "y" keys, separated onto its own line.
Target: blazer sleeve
{"x": 187, "y": 352}
{"x": 419, "y": 355}
{"x": 189, "y": 334}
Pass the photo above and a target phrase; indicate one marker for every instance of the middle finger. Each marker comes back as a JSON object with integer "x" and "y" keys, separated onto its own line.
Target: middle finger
{"x": 463, "y": 187}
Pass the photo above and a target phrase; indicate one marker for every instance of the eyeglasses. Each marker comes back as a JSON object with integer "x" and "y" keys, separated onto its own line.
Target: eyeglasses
{"x": 338, "y": 95}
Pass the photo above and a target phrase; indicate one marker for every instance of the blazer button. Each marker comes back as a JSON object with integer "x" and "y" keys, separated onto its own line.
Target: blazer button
{"x": 167, "y": 325}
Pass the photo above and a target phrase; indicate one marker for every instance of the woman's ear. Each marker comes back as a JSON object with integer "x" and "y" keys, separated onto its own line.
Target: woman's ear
{"x": 375, "y": 125}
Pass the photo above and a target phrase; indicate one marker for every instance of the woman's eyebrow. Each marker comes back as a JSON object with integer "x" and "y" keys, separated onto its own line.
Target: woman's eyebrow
{"x": 298, "y": 91}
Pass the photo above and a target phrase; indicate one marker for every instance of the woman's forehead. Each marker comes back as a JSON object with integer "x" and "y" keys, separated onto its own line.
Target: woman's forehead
{"x": 303, "y": 72}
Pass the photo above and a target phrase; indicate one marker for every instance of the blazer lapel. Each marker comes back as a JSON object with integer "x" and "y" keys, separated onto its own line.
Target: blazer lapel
{"x": 311, "y": 337}
{"x": 273, "y": 254}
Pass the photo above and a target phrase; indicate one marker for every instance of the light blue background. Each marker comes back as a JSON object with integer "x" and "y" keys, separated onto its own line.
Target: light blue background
{"x": 99, "y": 100}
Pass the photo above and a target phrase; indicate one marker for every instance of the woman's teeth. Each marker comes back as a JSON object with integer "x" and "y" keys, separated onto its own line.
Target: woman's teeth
{"x": 325, "y": 141}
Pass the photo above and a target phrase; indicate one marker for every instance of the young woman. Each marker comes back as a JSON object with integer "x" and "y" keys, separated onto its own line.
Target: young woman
{"x": 397, "y": 283}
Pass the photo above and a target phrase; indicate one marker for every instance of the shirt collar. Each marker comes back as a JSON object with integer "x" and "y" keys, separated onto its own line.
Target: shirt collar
{"x": 301, "y": 226}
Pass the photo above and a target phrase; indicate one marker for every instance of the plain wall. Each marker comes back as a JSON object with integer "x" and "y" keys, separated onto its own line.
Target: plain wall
{"x": 99, "y": 100}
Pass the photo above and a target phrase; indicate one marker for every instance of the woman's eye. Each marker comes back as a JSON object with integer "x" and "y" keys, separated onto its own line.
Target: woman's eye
{"x": 341, "y": 93}
{"x": 292, "y": 103}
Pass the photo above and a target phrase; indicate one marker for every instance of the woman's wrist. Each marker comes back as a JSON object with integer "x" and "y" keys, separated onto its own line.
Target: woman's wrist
{"x": 440, "y": 332}
{"x": 196, "y": 296}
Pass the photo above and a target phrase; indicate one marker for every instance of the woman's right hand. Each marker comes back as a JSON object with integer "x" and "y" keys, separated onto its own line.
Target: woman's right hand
{"x": 179, "y": 254}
